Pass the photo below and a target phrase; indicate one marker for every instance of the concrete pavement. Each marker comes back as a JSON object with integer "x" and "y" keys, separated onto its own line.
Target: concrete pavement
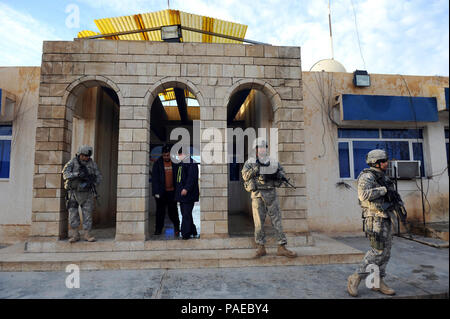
{"x": 415, "y": 270}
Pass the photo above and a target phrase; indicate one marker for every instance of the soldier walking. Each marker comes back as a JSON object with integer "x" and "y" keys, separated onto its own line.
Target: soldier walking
{"x": 261, "y": 179}
{"x": 378, "y": 212}
{"x": 81, "y": 177}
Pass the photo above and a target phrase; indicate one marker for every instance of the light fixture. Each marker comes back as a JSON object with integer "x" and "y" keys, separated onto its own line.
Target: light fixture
{"x": 171, "y": 33}
{"x": 361, "y": 78}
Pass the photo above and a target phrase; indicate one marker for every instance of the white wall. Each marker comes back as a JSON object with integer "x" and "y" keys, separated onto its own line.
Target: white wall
{"x": 16, "y": 193}
{"x": 335, "y": 209}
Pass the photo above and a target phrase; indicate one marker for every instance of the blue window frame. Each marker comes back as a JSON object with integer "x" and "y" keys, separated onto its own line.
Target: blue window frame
{"x": 406, "y": 144}
{"x": 358, "y": 133}
{"x": 5, "y": 150}
{"x": 446, "y": 145}
{"x": 401, "y": 134}
{"x": 344, "y": 160}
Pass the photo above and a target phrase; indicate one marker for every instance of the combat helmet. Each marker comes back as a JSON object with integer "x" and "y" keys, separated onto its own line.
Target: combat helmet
{"x": 259, "y": 142}
{"x": 85, "y": 150}
{"x": 376, "y": 155}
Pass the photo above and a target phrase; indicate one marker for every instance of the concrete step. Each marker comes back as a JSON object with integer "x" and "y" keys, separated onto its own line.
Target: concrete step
{"x": 168, "y": 244}
{"x": 438, "y": 230}
{"x": 324, "y": 251}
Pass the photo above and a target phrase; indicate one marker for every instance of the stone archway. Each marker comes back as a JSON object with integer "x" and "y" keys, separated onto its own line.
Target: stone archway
{"x": 164, "y": 118}
{"x": 250, "y": 106}
{"x": 53, "y": 149}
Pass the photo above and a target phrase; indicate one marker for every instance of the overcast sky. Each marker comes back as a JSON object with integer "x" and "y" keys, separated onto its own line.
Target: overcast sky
{"x": 396, "y": 36}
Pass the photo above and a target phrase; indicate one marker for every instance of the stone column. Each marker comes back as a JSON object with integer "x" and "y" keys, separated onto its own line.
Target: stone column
{"x": 214, "y": 187}
{"x": 49, "y": 216}
{"x": 133, "y": 173}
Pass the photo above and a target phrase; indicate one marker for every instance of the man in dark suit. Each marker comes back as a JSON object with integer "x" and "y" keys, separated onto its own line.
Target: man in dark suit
{"x": 187, "y": 192}
{"x": 163, "y": 188}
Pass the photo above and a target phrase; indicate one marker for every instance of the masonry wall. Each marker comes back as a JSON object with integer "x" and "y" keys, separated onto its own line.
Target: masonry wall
{"x": 137, "y": 71}
{"x": 17, "y": 191}
{"x": 335, "y": 209}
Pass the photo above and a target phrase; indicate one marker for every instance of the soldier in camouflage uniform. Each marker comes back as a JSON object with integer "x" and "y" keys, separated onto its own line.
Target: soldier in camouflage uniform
{"x": 261, "y": 178}
{"x": 378, "y": 217}
{"x": 81, "y": 177}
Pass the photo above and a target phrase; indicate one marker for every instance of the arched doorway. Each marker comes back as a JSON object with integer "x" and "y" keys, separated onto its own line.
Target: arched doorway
{"x": 94, "y": 107}
{"x": 173, "y": 105}
{"x": 248, "y": 108}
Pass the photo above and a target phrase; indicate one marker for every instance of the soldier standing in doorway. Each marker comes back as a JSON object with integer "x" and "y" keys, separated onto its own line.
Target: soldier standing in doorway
{"x": 261, "y": 179}
{"x": 81, "y": 177}
{"x": 380, "y": 203}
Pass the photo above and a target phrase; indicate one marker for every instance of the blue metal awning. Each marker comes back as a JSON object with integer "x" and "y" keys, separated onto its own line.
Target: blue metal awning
{"x": 388, "y": 108}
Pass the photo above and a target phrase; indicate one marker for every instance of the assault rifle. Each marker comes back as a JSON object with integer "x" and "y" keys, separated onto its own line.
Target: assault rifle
{"x": 88, "y": 181}
{"x": 285, "y": 180}
{"x": 393, "y": 202}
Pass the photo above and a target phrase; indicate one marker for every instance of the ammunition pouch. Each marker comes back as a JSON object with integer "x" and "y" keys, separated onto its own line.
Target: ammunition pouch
{"x": 67, "y": 184}
{"x": 373, "y": 228}
{"x": 376, "y": 242}
{"x": 71, "y": 201}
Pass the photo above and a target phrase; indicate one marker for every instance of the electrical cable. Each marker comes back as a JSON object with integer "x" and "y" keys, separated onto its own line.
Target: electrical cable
{"x": 417, "y": 140}
{"x": 357, "y": 35}
{"x": 322, "y": 117}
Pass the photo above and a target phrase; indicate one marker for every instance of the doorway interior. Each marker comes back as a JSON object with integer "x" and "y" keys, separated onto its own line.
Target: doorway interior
{"x": 247, "y": 108}
{"x": 172, "y": 108}
{"x": 96, "y": 123}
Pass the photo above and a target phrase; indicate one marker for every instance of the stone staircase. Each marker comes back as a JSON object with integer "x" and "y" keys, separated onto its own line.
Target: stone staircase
{"x": 196, "y": 253}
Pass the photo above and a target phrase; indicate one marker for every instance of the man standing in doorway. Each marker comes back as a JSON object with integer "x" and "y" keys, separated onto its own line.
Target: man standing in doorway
{"x": 375, "y": 191}
{"x": 163, "y": 188}
{"x": 261, "y": 179}
{"x": 81, "y": 177}
{"x": 187, "y": 191}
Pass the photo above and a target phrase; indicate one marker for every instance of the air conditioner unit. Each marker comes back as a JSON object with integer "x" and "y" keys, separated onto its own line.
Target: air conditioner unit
{"x": 7, "y": 103}
{"x": 404, "y": 169}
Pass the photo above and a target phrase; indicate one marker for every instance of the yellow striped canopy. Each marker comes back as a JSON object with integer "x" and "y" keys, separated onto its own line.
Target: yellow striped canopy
{"x": 165, "y": 18}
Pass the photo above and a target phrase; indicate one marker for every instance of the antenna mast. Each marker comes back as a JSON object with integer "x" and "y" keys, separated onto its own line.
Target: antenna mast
{"x": 331, "y": 34}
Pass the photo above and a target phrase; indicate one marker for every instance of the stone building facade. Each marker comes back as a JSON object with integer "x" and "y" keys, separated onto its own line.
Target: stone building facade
{"x": 137, "y": 71}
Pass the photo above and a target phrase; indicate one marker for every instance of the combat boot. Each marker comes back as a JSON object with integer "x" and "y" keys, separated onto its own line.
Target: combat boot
{"x": 353, "y": 283}
{"x": 75, "y": 236}
{"x": 88, "y": 237}
{"x": 283, "y": 251}
{"x": 384, "y": 289}
{"x": 260, "y": 251}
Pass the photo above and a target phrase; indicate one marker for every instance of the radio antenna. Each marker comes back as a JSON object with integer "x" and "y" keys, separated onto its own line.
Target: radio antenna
{"x": 331, "y": 34}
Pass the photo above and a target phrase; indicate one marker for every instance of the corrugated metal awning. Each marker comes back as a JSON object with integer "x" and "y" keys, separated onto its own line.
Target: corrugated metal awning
{"x": 165, "y": 18}
{"x": 169, "y": 94}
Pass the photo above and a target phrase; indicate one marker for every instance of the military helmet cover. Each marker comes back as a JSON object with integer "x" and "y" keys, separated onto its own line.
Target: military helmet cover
{"x": 375, "y": 155}
{"x": 85, "y": 150}
{"x": 259, "y": 143}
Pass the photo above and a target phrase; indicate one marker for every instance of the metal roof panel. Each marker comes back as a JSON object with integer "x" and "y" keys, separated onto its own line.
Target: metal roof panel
{"x": 164, "y": 18}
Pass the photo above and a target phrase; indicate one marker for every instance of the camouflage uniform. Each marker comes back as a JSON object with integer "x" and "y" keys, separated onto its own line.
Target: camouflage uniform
{"x": 78, "y": 193}
{"x": 377, "y": 216}
{"x": 264, "y": 198}
{"x": 378, "y": 200}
